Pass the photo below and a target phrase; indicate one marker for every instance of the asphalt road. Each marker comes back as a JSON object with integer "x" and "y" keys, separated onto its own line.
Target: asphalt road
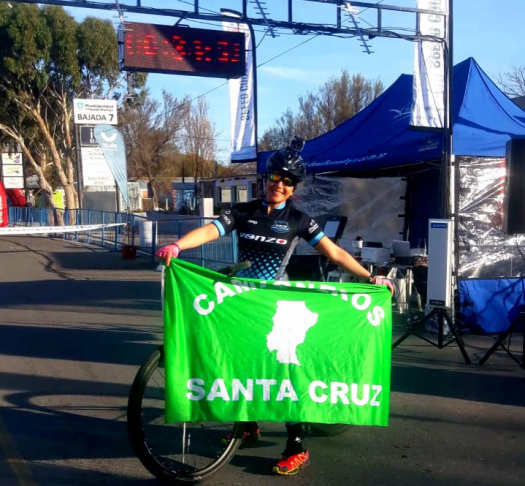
{"x": 76, "y": 321}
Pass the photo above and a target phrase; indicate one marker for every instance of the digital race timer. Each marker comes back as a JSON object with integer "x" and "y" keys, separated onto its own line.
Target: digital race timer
{"x": 182, "y": 50}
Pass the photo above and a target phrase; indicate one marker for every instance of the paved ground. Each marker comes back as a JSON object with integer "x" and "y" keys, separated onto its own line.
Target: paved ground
{"x": 76, "y": 321}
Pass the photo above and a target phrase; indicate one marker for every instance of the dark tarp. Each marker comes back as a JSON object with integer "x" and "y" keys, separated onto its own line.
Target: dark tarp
{"x": 380, "y": 137}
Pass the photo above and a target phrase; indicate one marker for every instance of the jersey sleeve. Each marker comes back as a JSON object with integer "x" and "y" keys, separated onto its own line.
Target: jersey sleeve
{"x": 310, "y": 231}
{"x": 229, "y": 219}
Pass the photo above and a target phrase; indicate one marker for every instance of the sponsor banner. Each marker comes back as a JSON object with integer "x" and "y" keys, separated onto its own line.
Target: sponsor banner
{"x": 13, "y": 171}
{"x": 39, "y": 230}
{"x": 111, "y": 142}
{"x": 93, "y": 112}
{"x": 95, "y": 168}
{"x": 242, "y": 100}
{"x": 14, "y": 182}
{"x": 244, "y": 349}
{"x": 429, "y": 68}
{"x": 12, "y": 158}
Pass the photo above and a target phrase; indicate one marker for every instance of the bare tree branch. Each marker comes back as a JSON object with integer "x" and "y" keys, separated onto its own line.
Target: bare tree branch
{"x": 336, "y": 101}
{"x": 513, "y": 82}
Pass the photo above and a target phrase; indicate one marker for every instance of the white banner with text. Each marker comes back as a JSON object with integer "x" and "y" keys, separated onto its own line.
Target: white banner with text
{"x": 242, "y": 101}
{"x": 429, "y": 67}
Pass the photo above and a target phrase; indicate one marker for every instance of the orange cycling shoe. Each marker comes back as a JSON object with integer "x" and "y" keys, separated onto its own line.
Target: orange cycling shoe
{"x": 252, "y": 436}
{"x": 288, "y": 466}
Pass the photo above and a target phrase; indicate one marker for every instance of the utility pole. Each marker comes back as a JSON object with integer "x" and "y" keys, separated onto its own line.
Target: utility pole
{"x": 80, "y": 187}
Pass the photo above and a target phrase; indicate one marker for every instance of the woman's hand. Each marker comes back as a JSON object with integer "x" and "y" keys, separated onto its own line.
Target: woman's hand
{"x": 383, "y": 281}
{"x": 168, "y": 252}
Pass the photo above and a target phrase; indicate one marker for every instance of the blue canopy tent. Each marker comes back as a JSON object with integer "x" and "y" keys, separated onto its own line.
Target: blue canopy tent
{"x": 379, "y": 142}
{"x": 379, "y": 139}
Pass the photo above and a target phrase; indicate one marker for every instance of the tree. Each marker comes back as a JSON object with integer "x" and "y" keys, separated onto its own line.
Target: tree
{"x": 198, "y": 140}
{"x": 513, "y": 82}
{"x": 336, "y": 101}
{"x": 237, "y": 169}
{"x": 167, "y": 140}
{"x": 151, "y": 132}
{"x": 46, "y": 59}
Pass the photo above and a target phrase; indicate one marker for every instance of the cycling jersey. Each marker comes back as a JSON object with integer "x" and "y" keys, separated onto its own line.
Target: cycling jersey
{"x": 267, "y": 240}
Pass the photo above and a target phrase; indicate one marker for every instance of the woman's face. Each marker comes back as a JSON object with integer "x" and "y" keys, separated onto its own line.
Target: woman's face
{"x": 277, "y": 192}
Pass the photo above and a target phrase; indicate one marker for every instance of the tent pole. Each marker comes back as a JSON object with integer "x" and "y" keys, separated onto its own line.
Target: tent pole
{"x": 447, "y": 165}
{"x": 450, "y": 164}
{"x": 456, "y": 168}
{"x": 447, "y": 196}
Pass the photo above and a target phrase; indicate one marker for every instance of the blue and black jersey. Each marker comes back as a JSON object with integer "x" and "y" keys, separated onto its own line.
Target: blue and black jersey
{"x": 267, "y": 240}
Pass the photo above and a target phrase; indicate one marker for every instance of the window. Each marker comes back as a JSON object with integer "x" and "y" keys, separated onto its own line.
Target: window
{"x": 242, "y": 194}
{"x": 225, "y": 194}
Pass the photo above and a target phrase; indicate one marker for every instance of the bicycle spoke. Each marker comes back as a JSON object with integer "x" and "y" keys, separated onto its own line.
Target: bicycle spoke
{"x": 183, "y": 450}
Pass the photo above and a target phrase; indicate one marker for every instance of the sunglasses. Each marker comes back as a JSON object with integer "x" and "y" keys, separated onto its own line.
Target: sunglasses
{"x": 287, "y": 181}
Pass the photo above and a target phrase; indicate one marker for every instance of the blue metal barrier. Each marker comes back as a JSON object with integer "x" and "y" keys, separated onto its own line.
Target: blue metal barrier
{"x": 144, "y": 233}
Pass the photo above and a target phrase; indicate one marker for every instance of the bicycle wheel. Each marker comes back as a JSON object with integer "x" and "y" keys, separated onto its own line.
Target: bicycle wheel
{"x": 330, "y": 430}
{"x": 186, "y": 452}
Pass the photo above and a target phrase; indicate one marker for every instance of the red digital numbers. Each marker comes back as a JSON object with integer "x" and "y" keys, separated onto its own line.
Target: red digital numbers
{"x": 182, "y": 50}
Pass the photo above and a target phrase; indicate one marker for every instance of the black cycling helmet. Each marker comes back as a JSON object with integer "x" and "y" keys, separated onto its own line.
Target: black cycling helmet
{"x": 287, "y": 161}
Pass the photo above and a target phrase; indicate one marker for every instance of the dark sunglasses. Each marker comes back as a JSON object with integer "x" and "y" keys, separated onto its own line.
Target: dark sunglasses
{"x": 287, "y": 181}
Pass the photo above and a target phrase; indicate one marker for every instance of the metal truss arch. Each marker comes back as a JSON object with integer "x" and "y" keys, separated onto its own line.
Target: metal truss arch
{"x": 196, "y": 12}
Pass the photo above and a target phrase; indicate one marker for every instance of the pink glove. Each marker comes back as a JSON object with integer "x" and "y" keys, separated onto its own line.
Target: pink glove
{"x": 168, "y": 252}
{"x": 378, "y": 280}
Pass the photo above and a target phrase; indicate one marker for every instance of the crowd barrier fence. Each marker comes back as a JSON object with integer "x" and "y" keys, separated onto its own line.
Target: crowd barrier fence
{"x": 144, "y": 234}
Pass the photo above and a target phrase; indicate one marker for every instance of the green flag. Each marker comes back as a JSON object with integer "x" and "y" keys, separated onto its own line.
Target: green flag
{"x": 244, "y": 349}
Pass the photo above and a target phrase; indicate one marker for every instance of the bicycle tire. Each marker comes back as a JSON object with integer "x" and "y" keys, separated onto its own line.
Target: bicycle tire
{"x": 144, "y": 434}
{"x": 330, "y": 430}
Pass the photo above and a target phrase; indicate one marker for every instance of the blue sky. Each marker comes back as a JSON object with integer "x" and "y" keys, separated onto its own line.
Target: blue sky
{"x": 491, "y": 31}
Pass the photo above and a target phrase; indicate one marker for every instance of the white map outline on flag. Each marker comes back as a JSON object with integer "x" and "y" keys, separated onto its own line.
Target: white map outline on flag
{"x": 291, "y": 322}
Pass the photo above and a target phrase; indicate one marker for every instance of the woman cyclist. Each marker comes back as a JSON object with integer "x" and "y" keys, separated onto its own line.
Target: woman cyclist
{"x": 268, "y": 231}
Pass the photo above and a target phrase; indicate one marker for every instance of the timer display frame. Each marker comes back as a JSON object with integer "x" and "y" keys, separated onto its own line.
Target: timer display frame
{"x": 182, "y": 50}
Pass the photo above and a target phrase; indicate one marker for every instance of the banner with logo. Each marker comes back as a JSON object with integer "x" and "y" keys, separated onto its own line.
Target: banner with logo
{"x": 243, "y": 121}
{"x": 93, "y": 112}
{"x": 429, "y": 68}
{"x": 111, "y": 143}
{"x": 245, "y": 349}
{"x": 13, "y": 170}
